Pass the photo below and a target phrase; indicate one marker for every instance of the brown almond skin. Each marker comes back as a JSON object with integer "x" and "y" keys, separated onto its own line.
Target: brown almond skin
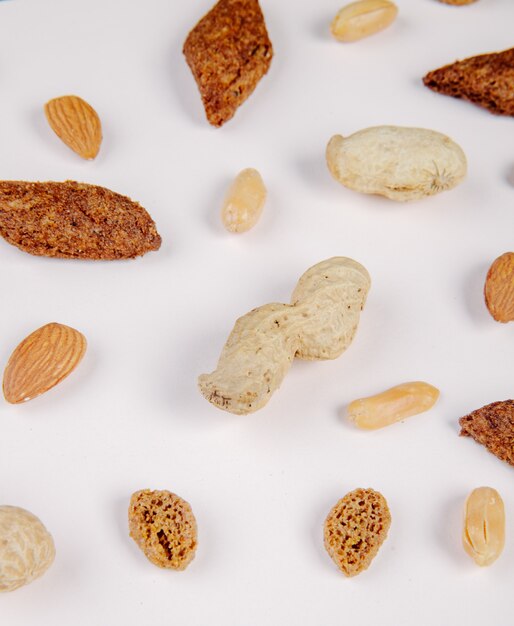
{"x": 41, "y": 361}
{"x": 73, "y": 220}
{"x": 75, "y": 122}
{"x": 499, "y": 288}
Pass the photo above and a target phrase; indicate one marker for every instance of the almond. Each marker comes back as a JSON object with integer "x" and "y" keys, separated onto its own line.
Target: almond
{"x": 75, "y": 122}
{"x": 41, "y": 361}
{"x": 499, "y": 288}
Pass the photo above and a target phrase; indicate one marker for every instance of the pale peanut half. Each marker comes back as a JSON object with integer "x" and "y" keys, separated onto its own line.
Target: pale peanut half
{"x": 362, "y": 18}
{"x": 483, "y": 535}
{"x": 76, "y": 123}
{"x": 499, "y": 288}
{"x": 41, "y": 361}
{"x": 244, "y": 201}
{"x": 392, "y": 405}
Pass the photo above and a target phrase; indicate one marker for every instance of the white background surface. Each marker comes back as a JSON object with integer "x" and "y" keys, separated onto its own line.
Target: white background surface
{"x": 131, "y": 417}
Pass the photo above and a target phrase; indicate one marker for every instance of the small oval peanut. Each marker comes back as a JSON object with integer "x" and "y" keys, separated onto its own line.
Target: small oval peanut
{"x": 392, "y": 405}
{"x": 483, "y": 535}
{"x": 244, "y": 201}
{"x": 363, "y": 18}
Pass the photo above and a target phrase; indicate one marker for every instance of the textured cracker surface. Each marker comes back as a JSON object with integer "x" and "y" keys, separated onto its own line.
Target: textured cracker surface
{"x": 493, "y": 427}
{"x": 26, "y": 548}
{"x": 399, "y": 162}
{"x": 74, "y": 220}
{"x": 164, "y": 527}
{"x": 319, "y": 324}
{"x": 228, "y": 51}
{"x": 355, "y": 529}
{"x": 486, "y": 80}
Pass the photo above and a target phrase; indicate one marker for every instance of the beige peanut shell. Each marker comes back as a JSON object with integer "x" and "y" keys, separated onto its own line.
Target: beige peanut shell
{"x": 26, "y": 548}
{"x": 399, "y": 162}
{"x": 319, "y": 324}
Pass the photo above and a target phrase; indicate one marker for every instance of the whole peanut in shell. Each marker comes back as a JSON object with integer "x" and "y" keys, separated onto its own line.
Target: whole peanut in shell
{"x": 319, "y": 324}
{"x": 26, "y": 548}
{"x": 399, "y": 162}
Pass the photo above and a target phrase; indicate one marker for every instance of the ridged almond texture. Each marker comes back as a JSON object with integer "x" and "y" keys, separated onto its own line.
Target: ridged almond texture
{"x": 41, "y": 361}
{"x": 499, "y": 288}
{"x": 73, "y": 220}
{"x": 75, "y": 122}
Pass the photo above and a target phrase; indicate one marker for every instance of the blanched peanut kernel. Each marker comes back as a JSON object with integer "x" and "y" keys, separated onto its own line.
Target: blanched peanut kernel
{"x": 392, "y": 405}
{"x": 483, "y": 535}
{"x": 360, "y": 19}
{"x": 244, "y": 201}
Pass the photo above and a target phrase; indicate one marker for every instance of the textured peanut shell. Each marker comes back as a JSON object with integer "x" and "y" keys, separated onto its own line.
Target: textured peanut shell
{"x": 319, "y": 324}
{"x": 26, "y": 548}
{"x": 398, "y": 162}
{"x": 355, "y": 529}
{"x": 483, "y": 535}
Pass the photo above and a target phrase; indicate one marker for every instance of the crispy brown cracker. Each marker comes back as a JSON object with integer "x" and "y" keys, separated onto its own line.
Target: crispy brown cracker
{"x": 74, "y": 221}
{"x": 228, "y": 51}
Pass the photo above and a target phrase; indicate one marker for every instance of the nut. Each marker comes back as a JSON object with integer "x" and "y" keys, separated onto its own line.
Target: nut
{"x": 457, "y": 2}
{"x": 483, "y": 535}
{"x": 392, "y": 405}
{"x": 164, "y": 527}
{"x": 75, "y": 122}
{"x": 355, "y": 529}
{"x": 320, "y": 323}
{"x": 26, "y": 548}
{"x": 398, "y": 162}
{"x": 363, "y": 18}
{"x": 41, "y": 361}
{"x": 244, "y": 201}
{"x": 499, "y": 288}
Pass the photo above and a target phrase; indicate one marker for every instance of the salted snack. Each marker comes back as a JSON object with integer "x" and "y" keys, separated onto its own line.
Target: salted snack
{"x": 41, "y": 361}
{"x": 392, "y": 405}
{"x": 228, "y": 51}
{"x": 75, "y": 122}
{"x": 499, "y": 288}
{"x": 26, "y": 548}
{"x": 244, "y": 201}
{"x": 486, "y": 80}
{"x": 355, "y": 529}
{"x": 483, "y": 534}
{"x": 457, "y": 2}
{"x": 164, "y": 527}
{"x": 73, "y": 220}
{"x": 363, "y": 18}
{"x": 399, "y": 162}
{"x": 493, "y": 427}
{"x": 319, "y": 324}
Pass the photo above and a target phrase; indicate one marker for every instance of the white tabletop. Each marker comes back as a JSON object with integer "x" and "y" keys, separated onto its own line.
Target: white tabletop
{"x": 131, "y": 417}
